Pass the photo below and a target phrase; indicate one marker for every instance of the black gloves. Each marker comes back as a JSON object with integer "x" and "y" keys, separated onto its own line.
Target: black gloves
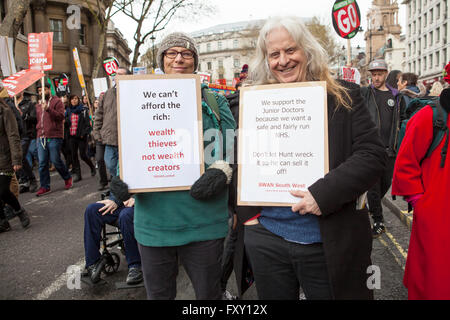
{"x": 119, "y": 189}
{"x": 213, "y": 181}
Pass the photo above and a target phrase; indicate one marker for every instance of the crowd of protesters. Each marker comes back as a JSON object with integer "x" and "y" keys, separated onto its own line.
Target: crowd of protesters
{"x": 281, "y": 249}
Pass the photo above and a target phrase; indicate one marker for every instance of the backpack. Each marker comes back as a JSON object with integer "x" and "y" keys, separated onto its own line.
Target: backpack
{"x": 440, "y": 128}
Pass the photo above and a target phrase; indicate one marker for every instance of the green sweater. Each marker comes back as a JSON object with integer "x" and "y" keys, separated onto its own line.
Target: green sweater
{"x": 174, "y": 218}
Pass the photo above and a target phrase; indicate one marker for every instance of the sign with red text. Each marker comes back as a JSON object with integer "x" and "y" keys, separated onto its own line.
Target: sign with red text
{"x": 160, "y": 131}
{"x": 21, "y": 80}
{"x": 110, "y": 64}
{"x": 283, "y": 141}
{"x": 346, "y": 18}
{"x": 40, "y": 51}
{"x": 351, "y": 75}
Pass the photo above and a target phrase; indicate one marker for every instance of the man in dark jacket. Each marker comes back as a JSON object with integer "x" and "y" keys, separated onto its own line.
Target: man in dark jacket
{"x": 27, "y": 110}
{"x": 105, "y": 126}
{"x": 50, "y": 123}
{"x": 386, "y": 108}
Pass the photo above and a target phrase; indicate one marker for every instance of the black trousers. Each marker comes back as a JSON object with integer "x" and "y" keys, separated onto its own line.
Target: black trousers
{"x": 201, "y": 260}
{"x": 26, "y": 173}
{"x": 79, "y": 144}
{"x": 100, "y": 158}
{"x": 280, "y": 267}
{"x": 377, "y": 192}
{"x": 6, "y": 196}
{"x": 228, "y": 256}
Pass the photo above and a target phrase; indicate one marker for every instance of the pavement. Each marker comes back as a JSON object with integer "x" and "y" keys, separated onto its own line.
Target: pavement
{"x": 400, "y": 208}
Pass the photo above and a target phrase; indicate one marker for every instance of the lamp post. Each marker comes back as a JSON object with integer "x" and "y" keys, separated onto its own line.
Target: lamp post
{"x": 153, "y": 52}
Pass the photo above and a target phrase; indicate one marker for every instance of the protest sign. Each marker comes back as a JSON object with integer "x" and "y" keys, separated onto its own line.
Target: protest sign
{"x": 140, "y": 70}
{"x": 160, "y": 131}
{"x": 76, "y": 60}
{"x": 21, "y": 80}
{"x": 40, "y": 51}
{"x": 110, "y": 64}
{"x": 283, "y": 141}
{"x": 100, "y": 85}
{"x": 7, "y": 56}
{"x": 351, "y": 75}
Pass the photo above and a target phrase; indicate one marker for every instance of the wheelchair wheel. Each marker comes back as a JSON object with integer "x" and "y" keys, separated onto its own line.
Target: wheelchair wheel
{"x": 112, "y": 263}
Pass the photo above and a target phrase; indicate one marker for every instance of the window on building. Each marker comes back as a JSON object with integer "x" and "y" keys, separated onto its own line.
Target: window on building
{"x": 236, "y": 63}
{"x": 438, "y": 35}
{"x": 220, "y": 63}
{"x": 438, "y": 11}
{"x": 208, "y": 47}
{"x": 199, "y": 67}
{"x": 2, "y": 10}
{"x": 444, "y": 55}
{"x": 431, "y": 60}
{"x": 236, "y": 75}
{"x": 221, "y": 76}
{"x": 424, "y": 41}
{"x": 409, "y": 49}
{"x": 219, "y": 45}
{"x": 425, "y": 20}
{"x": 424, "y": 64}
{"x": 82, "y": 35}
{"x": 235, "y": 43}
{"x": 56, "y": 26}
{"x": 414, "y": 27}
{"x": 209, "y": 66}
{"x": 437, "y": 58}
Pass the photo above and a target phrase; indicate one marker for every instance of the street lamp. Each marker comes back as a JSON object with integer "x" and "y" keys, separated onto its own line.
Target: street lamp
{"x": 153, "y": 52}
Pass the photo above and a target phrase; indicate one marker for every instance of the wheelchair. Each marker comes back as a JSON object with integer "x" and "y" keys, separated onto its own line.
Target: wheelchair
{"x": 110, "y": 260}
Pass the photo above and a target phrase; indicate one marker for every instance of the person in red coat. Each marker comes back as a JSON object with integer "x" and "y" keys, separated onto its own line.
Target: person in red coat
{"x": 424, "y": 184}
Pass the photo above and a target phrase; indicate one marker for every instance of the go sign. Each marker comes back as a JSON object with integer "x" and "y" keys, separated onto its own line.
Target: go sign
{"x": 346, "y": 18}
{"x": 110, "y": 64}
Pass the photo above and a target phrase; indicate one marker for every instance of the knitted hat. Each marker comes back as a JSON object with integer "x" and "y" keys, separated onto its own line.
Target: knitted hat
{"x": 177, "y": 39}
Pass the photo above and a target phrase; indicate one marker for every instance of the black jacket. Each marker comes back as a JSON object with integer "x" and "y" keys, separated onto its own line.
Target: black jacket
{"x": 398, "y": 116}
{"x": 357, "y": 158}
{"x": 84, "y": 126}
{"x": 28, "y": 109}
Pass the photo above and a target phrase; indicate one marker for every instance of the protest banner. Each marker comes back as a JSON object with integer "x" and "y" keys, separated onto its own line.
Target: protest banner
{"x": 283, "y": 141}
{"x": 160, "y": 131}
{"x": 21, "y": 80}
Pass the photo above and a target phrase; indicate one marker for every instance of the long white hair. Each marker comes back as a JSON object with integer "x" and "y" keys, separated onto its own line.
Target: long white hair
{"x": 317, "y": 60}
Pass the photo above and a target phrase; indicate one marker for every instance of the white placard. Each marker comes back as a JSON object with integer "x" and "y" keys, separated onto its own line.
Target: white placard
{"x": 160, "y": 131}
{"x": 100, "y": 85}
{"x": 283, "y": 141}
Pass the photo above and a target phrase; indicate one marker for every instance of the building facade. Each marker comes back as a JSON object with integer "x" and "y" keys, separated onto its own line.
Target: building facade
{"x": 57, "y": 17}
{"x": 225, "y": 48}
{"x": 427, "y": 38}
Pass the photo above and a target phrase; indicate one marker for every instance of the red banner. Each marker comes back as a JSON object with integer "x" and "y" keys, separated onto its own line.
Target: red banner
{"x": 21, "y": 80}
{"x": 40, "y": 51}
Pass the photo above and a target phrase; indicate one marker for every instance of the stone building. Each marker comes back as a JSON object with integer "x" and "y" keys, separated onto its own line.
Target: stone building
{"x": 383, "y": 32}
{"x": 225, "y": 48}
{"x": 427, "y": 38}
{"x": 56, "y": 16}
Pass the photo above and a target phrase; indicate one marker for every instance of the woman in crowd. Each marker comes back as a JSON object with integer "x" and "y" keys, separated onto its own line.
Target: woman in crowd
{"x": 10, "y": 162}
{"x": 322, "y": 243}
{"x": 423, "y": 180}
{"x": 175, "y": 225}
{"x": 79, "y": 124}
